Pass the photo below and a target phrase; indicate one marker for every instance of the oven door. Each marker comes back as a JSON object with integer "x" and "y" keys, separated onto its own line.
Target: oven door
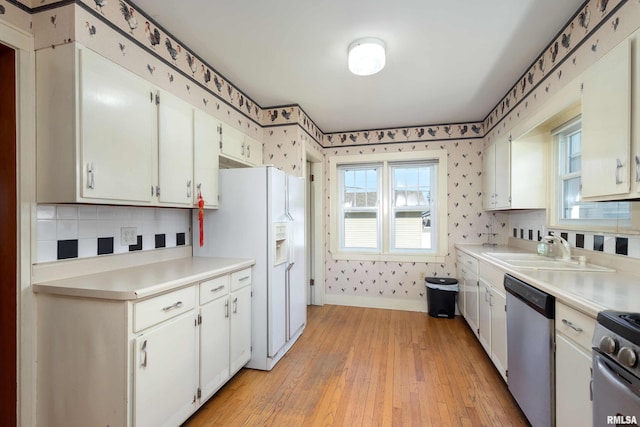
{"x": 616, "y": 393}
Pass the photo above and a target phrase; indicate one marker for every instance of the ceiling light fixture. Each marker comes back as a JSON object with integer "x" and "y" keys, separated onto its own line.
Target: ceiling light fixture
{"x": 366, "y": 56}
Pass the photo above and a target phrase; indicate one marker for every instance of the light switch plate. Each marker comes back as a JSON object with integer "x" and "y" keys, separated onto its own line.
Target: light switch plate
{"x": 128, "y": 236}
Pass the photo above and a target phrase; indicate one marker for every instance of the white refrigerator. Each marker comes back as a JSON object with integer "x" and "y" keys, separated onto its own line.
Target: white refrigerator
{"x": 261, "y": 215}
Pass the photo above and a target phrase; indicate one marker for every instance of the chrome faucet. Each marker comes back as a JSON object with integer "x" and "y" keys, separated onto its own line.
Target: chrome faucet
{"x": 562, "y": 243}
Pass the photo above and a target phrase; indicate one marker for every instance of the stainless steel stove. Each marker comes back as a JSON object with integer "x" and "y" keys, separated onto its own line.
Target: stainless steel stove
{"x": 616, "y": 369}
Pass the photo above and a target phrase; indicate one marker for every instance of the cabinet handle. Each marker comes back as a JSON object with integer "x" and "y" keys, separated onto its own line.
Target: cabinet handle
{"x": 171, "y": 307}
{"x": 571, "y": 325}
{"x": 248, "y": 151}
{"x": 235, "y": 305}
{"x": 199, "y": 188}
{"x": 144, "y": 354}
{"x": 242, "y": 279}
{"x": 619, "y": 165}
{"x": 90, "y": 176}
{"x": 189, "y": 188}
{"x": 219, "y": 288}
{"x": 242, "y": 148}
{"x": 226, "y": 309}
{"x": 637, "y": 168}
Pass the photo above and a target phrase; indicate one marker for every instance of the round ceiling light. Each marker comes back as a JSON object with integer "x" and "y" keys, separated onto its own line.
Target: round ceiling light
{"x": 366, "y": 56}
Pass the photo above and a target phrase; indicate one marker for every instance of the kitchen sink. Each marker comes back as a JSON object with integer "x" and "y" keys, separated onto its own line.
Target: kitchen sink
{"x": 538, "y": 262}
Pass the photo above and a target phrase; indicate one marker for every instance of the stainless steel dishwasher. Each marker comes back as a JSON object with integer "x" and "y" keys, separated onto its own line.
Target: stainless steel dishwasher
{"x": 530, "y": 340}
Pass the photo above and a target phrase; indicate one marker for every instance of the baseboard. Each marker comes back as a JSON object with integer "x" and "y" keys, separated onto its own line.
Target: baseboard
{"x": 375, "y": 302}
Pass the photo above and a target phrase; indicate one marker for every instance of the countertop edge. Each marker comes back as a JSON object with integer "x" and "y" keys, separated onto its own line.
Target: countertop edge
{"x": 70, "y": 286}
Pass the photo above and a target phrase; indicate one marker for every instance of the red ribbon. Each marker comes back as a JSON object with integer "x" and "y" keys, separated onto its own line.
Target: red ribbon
{"x": 201, "y": 218}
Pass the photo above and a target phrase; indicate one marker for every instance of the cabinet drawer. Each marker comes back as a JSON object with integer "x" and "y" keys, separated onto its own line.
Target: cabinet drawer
{"x": 240, "y": 279}
{"x": 469, "y": 264}
{"x": 158, "y": 309}
{"x": 575, "y": 325}
{"x": 492, "y": 275}
{"x": 214, "y": 288}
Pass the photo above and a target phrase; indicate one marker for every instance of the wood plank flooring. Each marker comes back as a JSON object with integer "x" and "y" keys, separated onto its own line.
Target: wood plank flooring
{"x": 370, "y": 367}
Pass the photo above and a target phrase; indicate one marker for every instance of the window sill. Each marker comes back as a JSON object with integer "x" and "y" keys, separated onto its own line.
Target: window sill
{"x": 396, "y": 257}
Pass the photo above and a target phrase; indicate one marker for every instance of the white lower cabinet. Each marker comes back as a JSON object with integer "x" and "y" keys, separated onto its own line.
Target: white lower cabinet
{"x": 152, "y": 362}
{"x": 574, "y": 331}
{"x": 166, "y": 373}
{"x": 493, "y": 318}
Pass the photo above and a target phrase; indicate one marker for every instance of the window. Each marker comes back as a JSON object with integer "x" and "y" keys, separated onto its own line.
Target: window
{"x": 571, "y": 209}
{"x": 386, "y": 206}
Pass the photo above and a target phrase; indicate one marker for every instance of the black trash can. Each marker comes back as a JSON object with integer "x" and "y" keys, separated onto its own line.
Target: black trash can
{"x": 441, "y": 296}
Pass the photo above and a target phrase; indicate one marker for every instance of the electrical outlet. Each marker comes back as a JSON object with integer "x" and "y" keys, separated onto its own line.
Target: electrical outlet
{"x": 128, "y": 236}
{"x": 422, "y": 275}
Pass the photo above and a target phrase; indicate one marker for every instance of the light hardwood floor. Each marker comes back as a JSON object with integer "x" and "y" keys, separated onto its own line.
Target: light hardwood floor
{"x": 370, "y": 367}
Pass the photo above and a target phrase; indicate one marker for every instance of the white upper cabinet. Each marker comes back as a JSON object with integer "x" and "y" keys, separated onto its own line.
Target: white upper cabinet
{"x": 205, "y": 158}
{"x": 606, "y": 125}
{"x": 513, "y": 173}
{"x": 238, "y": 149}
{"x": 95, "y": 129}
{"x": 175, "y": 151}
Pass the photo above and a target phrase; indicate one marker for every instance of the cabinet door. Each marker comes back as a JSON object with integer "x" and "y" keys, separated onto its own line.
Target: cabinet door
{"x": 606, "y": 124}
{"x": 573, "y": 384}
{"x": 499, "y": 331}
{"x": 471, "y": 302}
{"x": 232, "y": 143}
{"x": 206, "y": 140}
{"x": 253, "y": 151}
{"x": 484, "y": 315}
{"x": 460, "y": 272}
{"x": 503, "y": 173}
{"x": 214, "y": 346}
{"x": 165, "y": 364}
{"x": 489, "y": 177}
{"x": 116, "y": 129}
{"x": 175, "y": 151}
{"x": 240, "y": 341}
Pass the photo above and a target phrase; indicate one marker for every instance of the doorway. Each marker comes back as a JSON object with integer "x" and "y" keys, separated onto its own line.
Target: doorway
{"x": 9, "y": 232}
{"x": 314, "y": 225}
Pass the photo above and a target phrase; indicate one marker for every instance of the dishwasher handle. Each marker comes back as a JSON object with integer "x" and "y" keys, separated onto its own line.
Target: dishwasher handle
{"x": 538, "y": 300}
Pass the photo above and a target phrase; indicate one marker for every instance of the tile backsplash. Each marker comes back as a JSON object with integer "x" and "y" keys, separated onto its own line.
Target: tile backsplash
{"x": 82, "y": 231}
{"x": 530, "y": 225}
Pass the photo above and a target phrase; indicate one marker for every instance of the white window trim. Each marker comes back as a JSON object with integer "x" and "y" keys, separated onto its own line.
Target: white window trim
{"x": 385, "y": 255}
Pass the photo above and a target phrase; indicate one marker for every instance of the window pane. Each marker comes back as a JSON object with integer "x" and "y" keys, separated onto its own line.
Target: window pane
{"x": 361, "y": 230}
{"x": 575, "y": 152}
{"x": 411, "y": 206}
{"x": 359, "y": 214}
{"x": 412, "y": 230}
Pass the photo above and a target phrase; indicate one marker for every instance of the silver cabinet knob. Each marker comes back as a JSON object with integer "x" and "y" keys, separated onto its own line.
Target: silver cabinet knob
{"x": 627, "y": 357}
{"x": 608, "y": 344}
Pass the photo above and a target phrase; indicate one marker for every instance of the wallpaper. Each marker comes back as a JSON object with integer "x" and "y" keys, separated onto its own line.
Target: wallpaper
{"x": 127, "y": 36}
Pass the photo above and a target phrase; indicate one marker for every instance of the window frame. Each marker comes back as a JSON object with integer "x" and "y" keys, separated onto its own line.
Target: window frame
{"x": 384, "y": 252}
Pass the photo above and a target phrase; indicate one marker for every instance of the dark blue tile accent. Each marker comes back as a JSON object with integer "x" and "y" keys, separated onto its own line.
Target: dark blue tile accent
{"x": 180, "y": 239}
{"x": 622, "y": 246}
{"x": 105, "y": 245}
{"x": 522, "y": 233}
{"x": 161, "y": 240}
{"x": 579, "y": 240}
{"x": 565, "y": 236}
{"x": 67, "y": 249}
{"x": 539, "y": 235}
{"x": 598, "y": 243}
{"x": 530, "y": 234}
{"x": 137, "y": 246}
{"x": 515, "y": 232}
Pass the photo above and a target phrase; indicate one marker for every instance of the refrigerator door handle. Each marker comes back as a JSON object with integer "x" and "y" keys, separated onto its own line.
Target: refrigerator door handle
{"x": 290, "y": 266}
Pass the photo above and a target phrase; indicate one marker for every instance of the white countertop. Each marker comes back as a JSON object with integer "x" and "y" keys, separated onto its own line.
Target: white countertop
{"x": 143, "y": 281}
{"x": 589, "y": 292}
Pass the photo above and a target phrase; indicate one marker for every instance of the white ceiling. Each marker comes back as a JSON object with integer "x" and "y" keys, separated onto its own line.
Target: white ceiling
{"x": 448, "y": 61}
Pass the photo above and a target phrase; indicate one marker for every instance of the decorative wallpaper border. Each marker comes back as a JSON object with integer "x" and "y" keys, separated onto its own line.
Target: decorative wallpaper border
{"x": 590, "y": 17}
